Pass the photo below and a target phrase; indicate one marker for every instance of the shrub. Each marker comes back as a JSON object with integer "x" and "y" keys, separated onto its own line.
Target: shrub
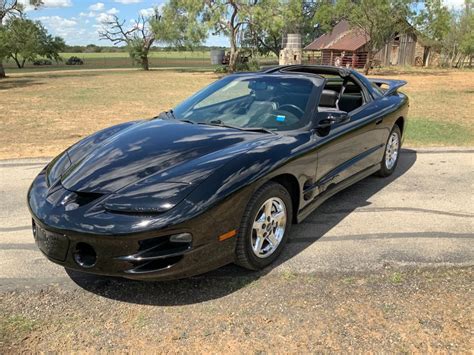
{"x": 221, "y": 69}
{"x": 248, "y": 66}
{"x": 42, "y": 62}
{"x": 74, "y": 61}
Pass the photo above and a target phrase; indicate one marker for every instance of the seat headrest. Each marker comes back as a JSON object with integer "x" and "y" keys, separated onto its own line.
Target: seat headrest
{"x": 328, "y": 98}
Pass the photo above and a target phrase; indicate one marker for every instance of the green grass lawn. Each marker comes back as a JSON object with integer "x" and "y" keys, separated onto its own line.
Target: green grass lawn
{"x": 422, "y": 132}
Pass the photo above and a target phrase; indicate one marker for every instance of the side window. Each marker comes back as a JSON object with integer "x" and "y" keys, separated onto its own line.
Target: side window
{"x": 234, "y": 90}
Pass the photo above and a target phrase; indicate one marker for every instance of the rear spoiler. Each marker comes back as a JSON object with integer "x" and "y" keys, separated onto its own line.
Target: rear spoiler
{"x": 393, "y": 85}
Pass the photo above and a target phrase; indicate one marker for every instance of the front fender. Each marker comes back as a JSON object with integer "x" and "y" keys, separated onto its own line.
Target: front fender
{"x": 250, "y": 170}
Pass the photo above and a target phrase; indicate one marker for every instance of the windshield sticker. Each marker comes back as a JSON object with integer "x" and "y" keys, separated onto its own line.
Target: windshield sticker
{"x": 280, "y": 118}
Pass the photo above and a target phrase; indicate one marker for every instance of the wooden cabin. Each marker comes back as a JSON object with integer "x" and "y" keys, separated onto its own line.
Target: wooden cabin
{"x": 346, "y": 46}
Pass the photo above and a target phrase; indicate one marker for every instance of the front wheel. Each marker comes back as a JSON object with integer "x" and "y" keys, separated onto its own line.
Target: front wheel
{"x": 265, "y": 227}
{"x": 392, "y": 153}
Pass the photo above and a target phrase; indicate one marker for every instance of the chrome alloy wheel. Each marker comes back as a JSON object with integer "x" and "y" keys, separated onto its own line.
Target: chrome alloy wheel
{"x": 269, "y": 227}
{"x": 391, "y": 151}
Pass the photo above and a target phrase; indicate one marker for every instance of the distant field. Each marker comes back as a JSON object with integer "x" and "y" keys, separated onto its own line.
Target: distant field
{"x": 43, "y": 113}
{"x": 112, "y": 60}
{"x": 161, "y": 54}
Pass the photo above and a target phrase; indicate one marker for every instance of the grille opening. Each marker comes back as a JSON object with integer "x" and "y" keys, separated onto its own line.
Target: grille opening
{"x": 85, "y": 255}
{"x": 155, "y": 265}
{"x": 161, "y": 246}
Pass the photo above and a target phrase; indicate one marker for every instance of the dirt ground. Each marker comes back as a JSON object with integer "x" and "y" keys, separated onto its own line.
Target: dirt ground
{"x": 394, "y": 311}
{"x": 41, "y": 114}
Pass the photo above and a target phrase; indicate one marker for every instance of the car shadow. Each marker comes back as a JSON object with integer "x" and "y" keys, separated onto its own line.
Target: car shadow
{"x": 230, "y": 278}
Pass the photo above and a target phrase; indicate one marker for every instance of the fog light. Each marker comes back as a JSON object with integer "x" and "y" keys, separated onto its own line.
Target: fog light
{"x": 85, "y": 255}
{"x": 181, "y": 238}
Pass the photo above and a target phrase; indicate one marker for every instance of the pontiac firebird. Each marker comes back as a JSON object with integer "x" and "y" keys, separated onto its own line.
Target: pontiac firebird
{"x": 218, "y": 179}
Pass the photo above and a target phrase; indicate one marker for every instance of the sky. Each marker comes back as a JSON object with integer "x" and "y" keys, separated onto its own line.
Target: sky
{"x": 77, "y": 21}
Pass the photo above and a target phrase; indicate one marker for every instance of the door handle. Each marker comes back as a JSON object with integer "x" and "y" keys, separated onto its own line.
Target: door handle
{"x": 379, "y": 121}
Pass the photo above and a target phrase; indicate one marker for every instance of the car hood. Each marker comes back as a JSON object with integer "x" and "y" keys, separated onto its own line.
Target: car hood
{"x": 157, "y": 151}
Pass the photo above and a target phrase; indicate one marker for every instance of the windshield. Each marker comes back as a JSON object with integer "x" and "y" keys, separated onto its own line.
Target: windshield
{"x": 250, "y": 101}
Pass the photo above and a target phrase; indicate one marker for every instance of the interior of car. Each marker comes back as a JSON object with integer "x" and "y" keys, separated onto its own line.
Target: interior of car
{"x": 269, "y": 102}
{"x": 340, "y": 93}
{"x": 272, "y": 102}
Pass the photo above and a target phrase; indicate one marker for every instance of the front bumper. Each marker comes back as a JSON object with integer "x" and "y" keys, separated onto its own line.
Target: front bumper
{"x": 139, "y": 254}
{"x": 120, "y": 256}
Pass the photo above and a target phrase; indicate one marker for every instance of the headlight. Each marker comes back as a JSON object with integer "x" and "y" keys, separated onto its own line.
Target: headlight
{"x": 153, "y": 198}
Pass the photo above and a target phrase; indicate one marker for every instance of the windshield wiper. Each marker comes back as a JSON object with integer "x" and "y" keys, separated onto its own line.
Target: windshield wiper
{"x": 250, "y": 129}
{"x": 258, "y": 129}
{"x": 187, "y": 121}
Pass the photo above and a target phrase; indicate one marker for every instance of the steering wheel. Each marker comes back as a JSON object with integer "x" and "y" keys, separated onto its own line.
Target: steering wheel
{"x": 291, "y": 106}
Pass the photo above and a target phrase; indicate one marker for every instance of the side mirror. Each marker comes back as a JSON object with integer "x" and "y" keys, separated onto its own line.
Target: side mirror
{"x": 333, "y": 118}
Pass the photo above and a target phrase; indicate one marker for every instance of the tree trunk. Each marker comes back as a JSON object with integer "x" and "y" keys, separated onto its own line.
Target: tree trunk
{"x": 18, "y": 64}
{"x": 368, "y": 63}
{"x": 145, "y": 64}
{"x": 2, "y": 71}
{"x": 427, "y": 56}
{"x": 233, "y": 53}
{"x": 452, "y": 59}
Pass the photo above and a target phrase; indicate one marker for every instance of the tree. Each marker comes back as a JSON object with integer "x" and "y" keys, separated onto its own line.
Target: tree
{"x": 377, "y": 20}
{"x": 12, "y": 8}
{"x": 433, "y": 23}
{"x": 222, "y": 17}
{"x": 271, "y": 19}
{"x": 24, "y": 40}
{"x": 458, "y": 43}
{"x": 228, "y": 17}
{"x": 467, "y": 31}
{"x": 138, "y": 39}
{"x": 176, "y": 25}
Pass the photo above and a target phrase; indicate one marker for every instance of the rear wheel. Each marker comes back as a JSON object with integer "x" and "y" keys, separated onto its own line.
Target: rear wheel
{"x": 392, "y": 153}
{"x": 265, "y": 227}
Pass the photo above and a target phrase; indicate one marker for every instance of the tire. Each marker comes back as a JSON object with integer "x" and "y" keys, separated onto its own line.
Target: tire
{"x": 392, "y": 151}
{"x": 248, "y": 253}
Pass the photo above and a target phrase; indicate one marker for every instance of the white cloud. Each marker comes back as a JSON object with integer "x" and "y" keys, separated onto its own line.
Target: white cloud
{"x": 57, "y": 3}
{"x": 97, "y": 7}
{"x": 147, "y": 12}
{"x": 57, "y": 21}
{"x": 113, "y": 11}
{"x": 126, "y": 2}
{"x": 47, "y": 3}
{"x": 104, "y": 17}
{"x": 63, "y": 27}
{"x": 87, "y": 14}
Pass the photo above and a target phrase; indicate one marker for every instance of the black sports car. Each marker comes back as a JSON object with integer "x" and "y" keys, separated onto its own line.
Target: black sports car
{"x": 218, "y": 179}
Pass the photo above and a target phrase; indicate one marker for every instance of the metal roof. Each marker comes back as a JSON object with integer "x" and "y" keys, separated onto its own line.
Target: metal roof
{"x": 342, "y": 37}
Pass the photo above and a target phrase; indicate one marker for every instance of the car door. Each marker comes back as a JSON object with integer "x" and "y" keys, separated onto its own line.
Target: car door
{"x": 349, "y": 147}
{"x": 341, "y": 154}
